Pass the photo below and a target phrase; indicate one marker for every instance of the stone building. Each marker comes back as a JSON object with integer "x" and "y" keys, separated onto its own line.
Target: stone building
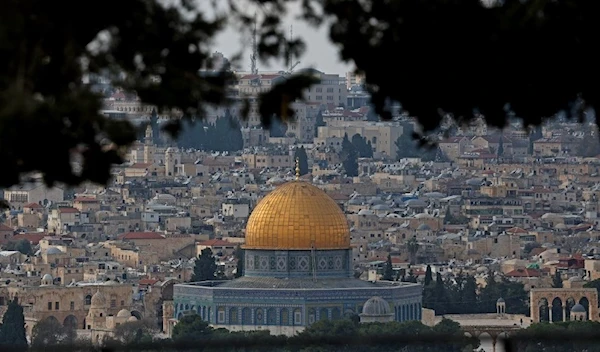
{"x": 298, "y": 270}
{"x": 69, "y": 305}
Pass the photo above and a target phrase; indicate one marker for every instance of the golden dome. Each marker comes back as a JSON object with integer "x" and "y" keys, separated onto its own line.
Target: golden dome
{"x": 297, "y": 215}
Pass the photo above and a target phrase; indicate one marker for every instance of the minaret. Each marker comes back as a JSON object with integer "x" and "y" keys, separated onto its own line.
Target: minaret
{"x": 297, "y": 169}
{"x": 149, "y": 146}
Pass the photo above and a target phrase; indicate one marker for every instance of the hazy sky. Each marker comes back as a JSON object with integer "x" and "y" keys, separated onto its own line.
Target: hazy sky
{"x": 320, "y": 52}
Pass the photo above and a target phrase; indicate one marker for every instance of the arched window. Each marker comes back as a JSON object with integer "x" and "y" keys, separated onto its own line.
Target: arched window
{"x": 88, "y": 300}
{"x": 271, "y": 316}
{"x": 233, "y": 315}
{"x": 285, "y": 316}
{"x": 246, "y": 316}
{"x": 323, "y": 314}
{"x": 259, "y": 317}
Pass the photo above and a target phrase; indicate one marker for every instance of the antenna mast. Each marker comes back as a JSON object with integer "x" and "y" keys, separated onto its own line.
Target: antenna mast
{"x": 254, "y": 55}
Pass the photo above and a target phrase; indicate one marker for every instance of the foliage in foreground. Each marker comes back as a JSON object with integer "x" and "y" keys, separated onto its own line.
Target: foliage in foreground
{"x": 574, "y": 336}
{"x": 158, "y": 52}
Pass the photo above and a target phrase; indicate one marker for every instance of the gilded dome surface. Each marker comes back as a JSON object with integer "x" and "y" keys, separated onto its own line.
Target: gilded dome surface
{"x": 297, "y": 215}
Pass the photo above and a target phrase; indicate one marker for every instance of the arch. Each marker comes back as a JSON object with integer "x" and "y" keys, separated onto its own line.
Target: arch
{"x": 259, "y": 317}
{"x": 570, "y": 302}
{"x": 88, "y": 300}
{"x": 137, "y": 314}
{"x": 246, "y": 316}
{"x": 233, "y": 315}
{"x": 52, "y": 319}
{"x": 285, "y": 316}
{"x": 323, "y": 314}
{"x": 70, "y": 322}
{"x": 544, "y": 311}
{"x": 557, "y": 311}
{"x": 586, "y": 304}
{"x": 221, "y": 315}
{"x": 271, "y": 316}
{"x": 336, "y": 313}
{"x": 311, "y": 315}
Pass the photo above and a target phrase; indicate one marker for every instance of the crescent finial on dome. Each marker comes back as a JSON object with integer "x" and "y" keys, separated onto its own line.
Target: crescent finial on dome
{"x": 297, "y": 169}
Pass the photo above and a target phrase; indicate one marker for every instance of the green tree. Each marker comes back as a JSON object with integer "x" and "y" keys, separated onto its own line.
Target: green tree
{"x": 468, "y": 296}
{"x": 191, "y": 328}
{"x": 412, "y": 246}
{"x": 164, "y": 56}
{"x": 408, "y": 146}
{"x": 240, "y": 256}
{"x": 557, "y": 281}
{"x": 132, "y": 333}
{"x": 49, "y": 332}
{"x": 302, "y": 157}
{"x": 349, "y": 157}
{"x": 319, "y": 122}
{"x": 593, "y": 284}
{"x": 12, "y": 331}
{"x": 388, "y": 269}
{"x": 23, "y": 246}
{"x": 205, "y": 266}
{"x": 428, "y": 275}
{"x": 364, "y": 148}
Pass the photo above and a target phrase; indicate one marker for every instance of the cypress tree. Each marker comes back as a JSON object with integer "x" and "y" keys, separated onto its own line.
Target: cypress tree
{"x": 205, "y": 266}
{"x": 388, "y": 271}
{"x": 12, "y": 331}
{"x": 428, "y": 275}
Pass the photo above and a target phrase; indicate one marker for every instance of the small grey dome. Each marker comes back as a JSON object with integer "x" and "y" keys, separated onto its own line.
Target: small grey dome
{"x": 123, "y": 313}
{"x": 578, "y": 308}
{"x": 376, "y": 306}
{"x": 47, "y": 280}
{"x": 423, "y": 227}
{"x": 98, "y": 300}
{"x": 53, "y": 250}
{"x": 500, "y": 300}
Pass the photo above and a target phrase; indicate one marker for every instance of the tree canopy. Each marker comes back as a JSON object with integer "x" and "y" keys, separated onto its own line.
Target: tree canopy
{"x": 205, "y": 267}
{"x": 12, "y": 331}
{"x": 162, "y": 54}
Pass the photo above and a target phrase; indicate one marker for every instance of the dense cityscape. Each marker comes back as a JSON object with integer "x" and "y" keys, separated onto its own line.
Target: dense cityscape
{"x": 332, "y": 216}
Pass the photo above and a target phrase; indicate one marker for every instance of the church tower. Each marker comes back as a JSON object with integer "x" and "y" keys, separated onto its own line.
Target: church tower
{"x": 149, "y": 146}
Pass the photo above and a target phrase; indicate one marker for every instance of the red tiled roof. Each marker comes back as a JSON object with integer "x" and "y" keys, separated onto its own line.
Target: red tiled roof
{"x": 33, "y": 206}
{"x": 141, "y": 236}
{"x": 5, "y": 228}
{"x": 524, "y": 273}
{"x": 148, "y": 282}
{"x": 33, "y": 238}
{"x": 215, "y": 242}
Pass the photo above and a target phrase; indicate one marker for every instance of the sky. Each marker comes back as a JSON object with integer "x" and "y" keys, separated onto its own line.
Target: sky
{"x": 320, "y": 52}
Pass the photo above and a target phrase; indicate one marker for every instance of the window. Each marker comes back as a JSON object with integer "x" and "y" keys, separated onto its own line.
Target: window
{"x": 72, "y": 306}
{"x": 113, "y": 303}
{"x": 122, "y": 303}
{"x": 49, "y": 305}
{"x": 56, "y": 305}
{"x": 221, "y": 315}
{"x": 297, "y": 317}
